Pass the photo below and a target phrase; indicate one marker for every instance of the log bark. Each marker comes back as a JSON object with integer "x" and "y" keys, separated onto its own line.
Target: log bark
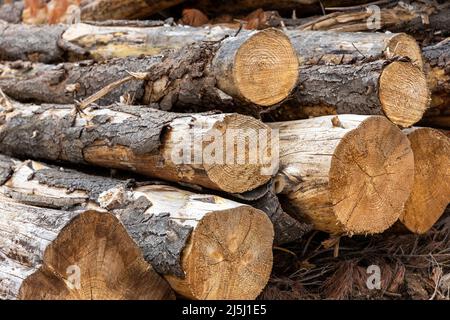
{"x": 197, "y": 149}
{"x": 396, "y": 89}
{"x": 67, "y": 82}
{"x": 431, "y": 190}
{"x": 11, "y": 12}
{"x": 42, "y": 251}
{"x": 420, "y": 22}
{"x": 322, "y": 47}
{"x": 256, "y": 69}
{"x": 185, "y": 236}
{"x": 57, "y": 43}
{"x": 347, "y": 174}
{"x": 437, "y": 69}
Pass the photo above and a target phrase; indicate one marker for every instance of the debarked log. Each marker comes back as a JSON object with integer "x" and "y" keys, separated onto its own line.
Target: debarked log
{"x": 396, "y": 89}
{"x": 254, "y": 69}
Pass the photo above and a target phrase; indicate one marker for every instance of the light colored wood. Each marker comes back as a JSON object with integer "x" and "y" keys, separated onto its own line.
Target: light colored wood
{"x": 261, "y": 67}
{"x": 207, "y": 247}
{"x": 431, "y": 190}
{"x": 42, "y": 250}
{"x": 217, "y": 151}
{"x": 347, "y": 174}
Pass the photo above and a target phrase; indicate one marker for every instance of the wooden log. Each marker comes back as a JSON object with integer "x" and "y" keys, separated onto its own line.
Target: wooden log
{"x": 55, "y": 43}
{"x": 258, "y": 69}
{"x": 437, "y": 69}
{"x": 431, "y": 190}
{"x": 347, "y": 174}
{"x": 420, "y": 21}
{"x": 11, "y": 12}
{"x": 396, "y": 89}
{"x": 84, "y": 255}
{"x": 218, "y": 151}
{"x": 206, "y": 247}
{"x": 57, "y": 11}
{"x": 34, "y": 43}
{"x": 322, "y": 47}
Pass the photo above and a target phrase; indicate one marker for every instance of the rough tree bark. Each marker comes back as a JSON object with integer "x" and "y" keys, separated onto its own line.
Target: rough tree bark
{"x": 42, "y": 250}
{"x": 57, "y": 43}
{"x": 324, "y": 47}
{"x": 206, "y": 247}
{"x": 256, "y": 70}
{"x": 396, "y": 89}
{"x": 437, "y": 69}
{"x": 218, "y": 151}
{"x": 431, "y": 190}
{"x": 347, "y": 174}
{"x": 11, "y": 12}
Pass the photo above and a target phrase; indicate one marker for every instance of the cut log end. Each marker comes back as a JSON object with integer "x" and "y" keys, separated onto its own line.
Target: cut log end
{"x": 371, "y": 176}
{"x": 403, "y": 93}
{"x": 94, "y": 258}
{"x": 243, "y": 169}
{"x": 232, "y": 249}
{"x": 431, "y": 190}
{"x": 266, "y": 68}
{"x": 404, "y": 45}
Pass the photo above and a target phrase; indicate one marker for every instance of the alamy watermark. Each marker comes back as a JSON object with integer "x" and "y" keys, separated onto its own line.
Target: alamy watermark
{"x": 373, "y": 281}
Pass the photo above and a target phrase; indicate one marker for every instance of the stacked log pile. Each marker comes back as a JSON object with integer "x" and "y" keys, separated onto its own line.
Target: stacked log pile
{"x": 186, "y": 154}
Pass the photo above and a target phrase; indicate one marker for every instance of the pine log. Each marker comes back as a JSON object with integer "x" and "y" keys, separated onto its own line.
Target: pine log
{"x": 347, "y": 174}
{"x": 420, "y": 21}
{"x": 42, "y": 249}
{"x": 206, "y": 247}
{"x": 286, "y": 6}
{"x": 218, "y": 151}
{"x": 258, "y": 69}
{"x": 322, "y": 47}
{"x": 56, "y": 43}
{"x": 67, "y": 82}
{"x": 396, "y": 89}
{"x": 431, "y": 190}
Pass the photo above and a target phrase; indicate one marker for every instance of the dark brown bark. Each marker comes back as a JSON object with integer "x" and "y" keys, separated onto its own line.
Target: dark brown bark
{"x": 366, "y": 88}
{"x": 34, "y": 43}
{"x": 67, "y": 82}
